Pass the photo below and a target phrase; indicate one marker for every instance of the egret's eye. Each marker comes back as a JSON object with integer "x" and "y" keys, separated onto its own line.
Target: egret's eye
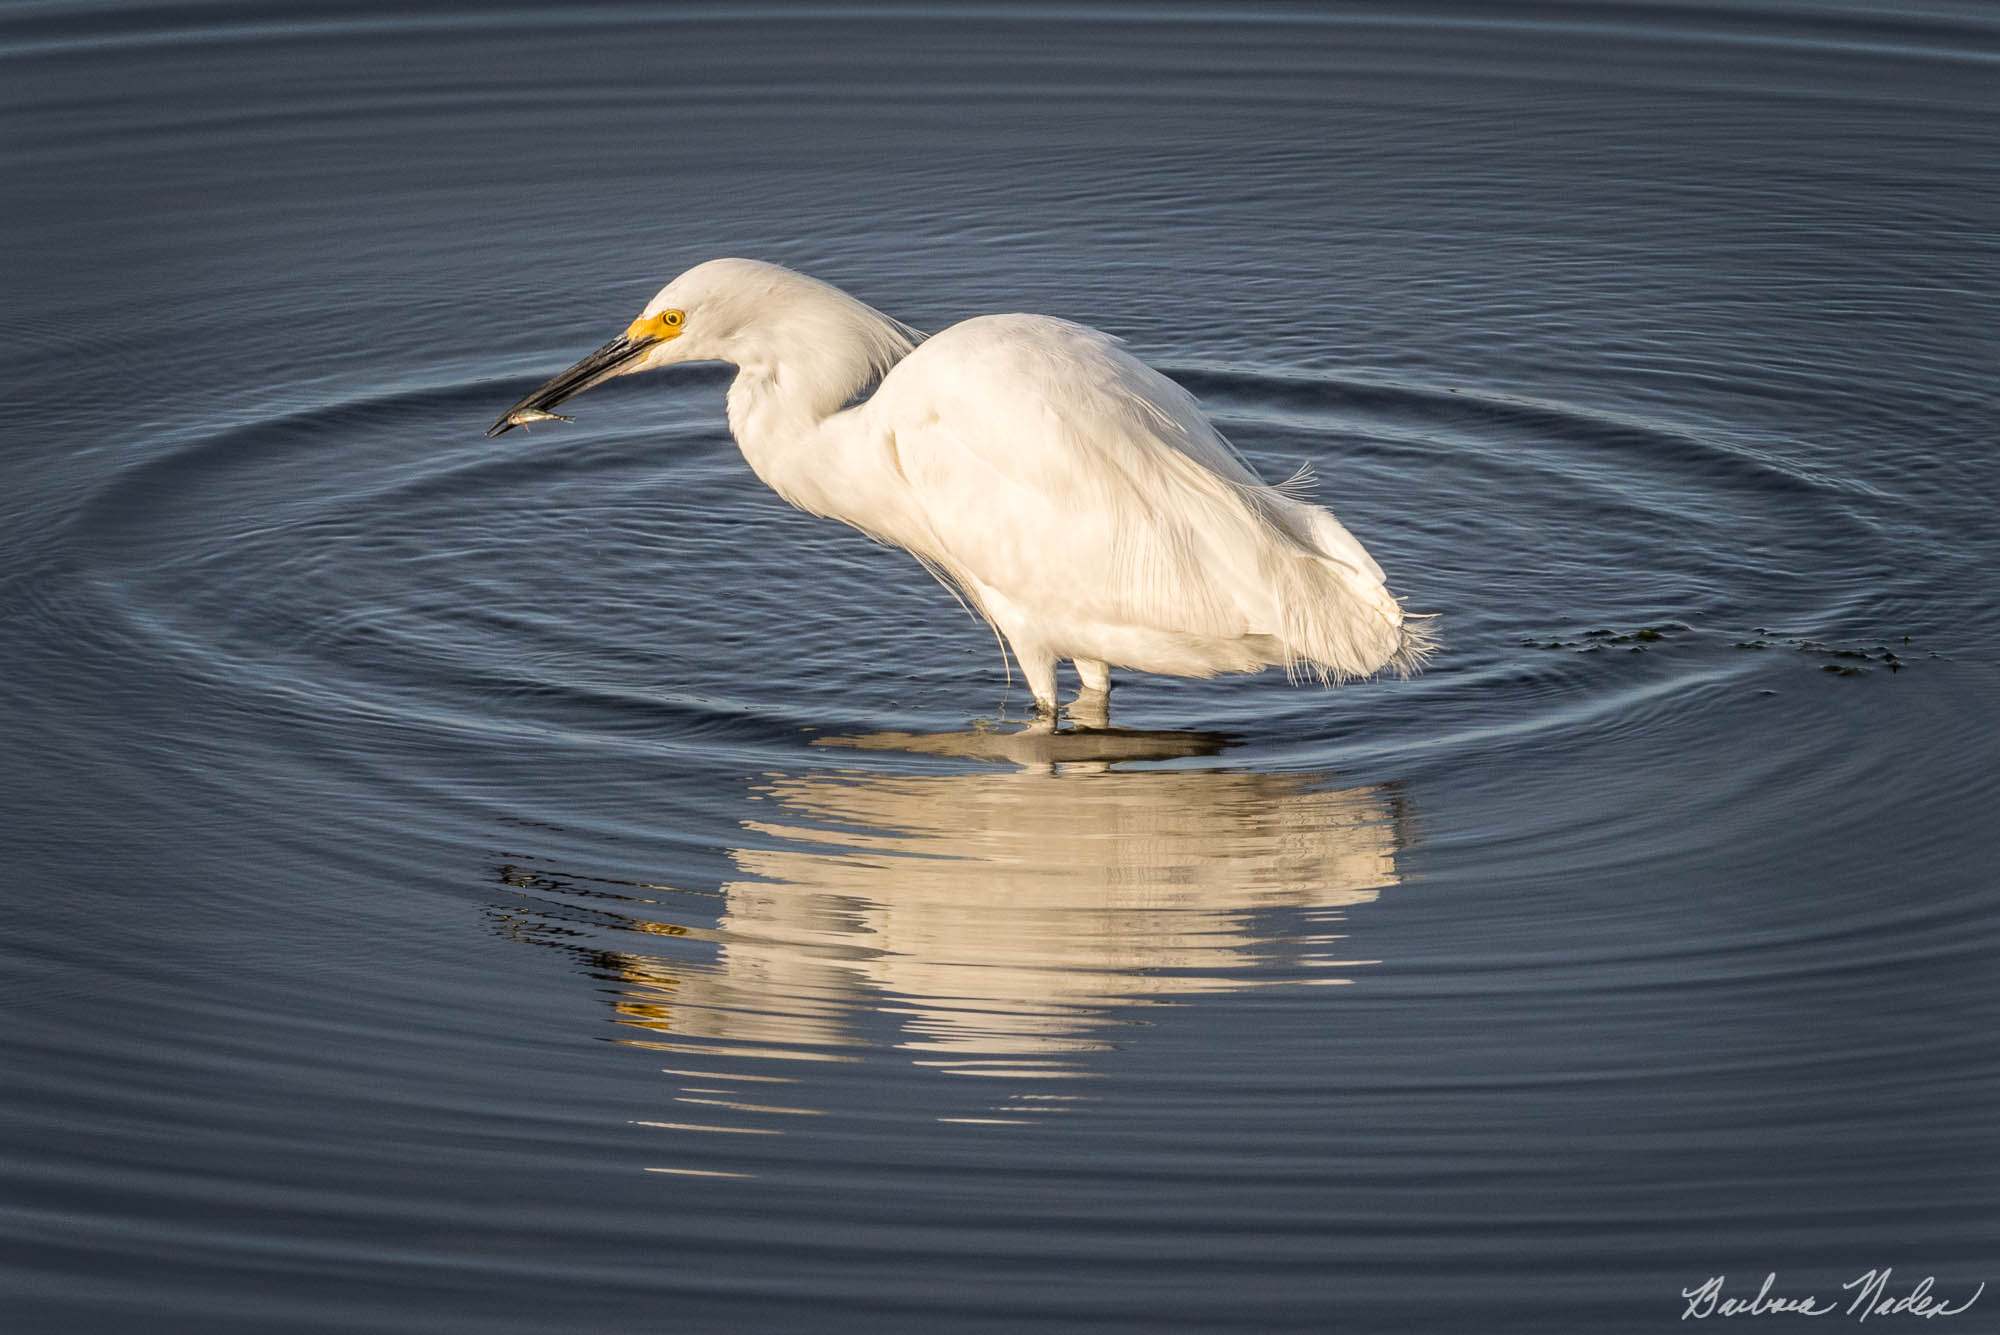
{"x": 657, "y": 326}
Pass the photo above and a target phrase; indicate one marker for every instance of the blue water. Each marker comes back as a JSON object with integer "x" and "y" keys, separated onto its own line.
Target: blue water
{"x": 549, "y": 885}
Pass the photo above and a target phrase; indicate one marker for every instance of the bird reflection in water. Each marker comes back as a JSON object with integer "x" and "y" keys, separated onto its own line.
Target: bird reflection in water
{"x": 989, "y": 923}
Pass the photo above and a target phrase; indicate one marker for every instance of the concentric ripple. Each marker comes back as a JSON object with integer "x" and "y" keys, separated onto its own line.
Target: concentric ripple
{"x": 592, "y": 583}
{"x": 629, "y": 591}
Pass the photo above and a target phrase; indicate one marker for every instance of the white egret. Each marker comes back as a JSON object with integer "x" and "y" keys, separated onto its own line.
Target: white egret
{"x": 1075, "y": 498}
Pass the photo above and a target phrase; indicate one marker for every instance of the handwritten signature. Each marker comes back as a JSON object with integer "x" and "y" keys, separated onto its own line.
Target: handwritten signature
{"x": 1871, "y": 1297}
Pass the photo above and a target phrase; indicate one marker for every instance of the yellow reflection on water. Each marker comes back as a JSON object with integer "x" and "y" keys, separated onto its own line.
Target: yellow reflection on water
{"x": 1000, "y": 921}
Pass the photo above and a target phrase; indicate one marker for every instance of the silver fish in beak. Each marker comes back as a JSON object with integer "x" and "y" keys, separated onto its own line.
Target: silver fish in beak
{"x": 598, "y": 367}
{"x": 527, "y": 416}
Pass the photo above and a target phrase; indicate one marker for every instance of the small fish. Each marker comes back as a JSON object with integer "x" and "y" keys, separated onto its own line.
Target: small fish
{"x": 523, "y": 416}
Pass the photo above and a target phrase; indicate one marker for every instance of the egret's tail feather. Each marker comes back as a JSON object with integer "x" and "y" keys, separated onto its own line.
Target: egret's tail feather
{"x": 1339, "y": 625}
{"x": 1419, "y": 642}
{"x": 1337, "y": 619}
{"x": 1299, "y": 486}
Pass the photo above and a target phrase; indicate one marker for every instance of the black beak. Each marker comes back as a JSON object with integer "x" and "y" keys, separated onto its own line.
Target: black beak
{"x": 598, "y": 367}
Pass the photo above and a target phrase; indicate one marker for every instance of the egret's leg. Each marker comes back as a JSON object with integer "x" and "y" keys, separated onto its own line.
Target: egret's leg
{"x": 1039, "y": 667}
{"x": 1092, "y": 706}
{"x": 1095, "y": 674}
{"x": 1036, "y": 660}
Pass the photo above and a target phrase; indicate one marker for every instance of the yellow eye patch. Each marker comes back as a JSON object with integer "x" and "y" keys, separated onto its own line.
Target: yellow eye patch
{"x": 660, "y": 325}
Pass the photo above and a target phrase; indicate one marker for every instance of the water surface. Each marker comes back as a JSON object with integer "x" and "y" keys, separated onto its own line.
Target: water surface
{"x": 548, "y": 884}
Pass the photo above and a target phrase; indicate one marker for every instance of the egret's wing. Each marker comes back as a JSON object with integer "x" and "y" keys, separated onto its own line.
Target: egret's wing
{"x": 1059, "y": 470}
{"x": 1056, "y": 469}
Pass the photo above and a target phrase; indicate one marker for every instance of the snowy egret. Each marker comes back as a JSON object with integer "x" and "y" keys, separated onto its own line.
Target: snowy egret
{"x": 1075, "y": 498}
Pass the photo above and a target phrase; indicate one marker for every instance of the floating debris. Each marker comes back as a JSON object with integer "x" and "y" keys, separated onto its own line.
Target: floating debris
{"x": 1880, "y": 654}
{"x": 1849, "y": 660}
{"x": 1596, "y": 639}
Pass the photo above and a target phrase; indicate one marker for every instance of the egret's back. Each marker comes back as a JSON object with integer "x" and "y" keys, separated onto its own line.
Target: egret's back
{"x": 1087, "y": 504}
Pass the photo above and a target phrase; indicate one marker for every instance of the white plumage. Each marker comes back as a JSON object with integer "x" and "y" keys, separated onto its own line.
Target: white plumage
{"x": 1077, "y": 499}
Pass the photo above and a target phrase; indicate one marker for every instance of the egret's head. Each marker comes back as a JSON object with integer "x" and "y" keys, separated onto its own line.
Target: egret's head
{"x": 744, "y": 312}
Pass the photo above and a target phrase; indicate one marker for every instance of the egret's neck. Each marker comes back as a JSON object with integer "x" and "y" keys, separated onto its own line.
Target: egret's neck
{"x": 788, "y": 405}
{"x": 780, "y": 428}
{"x": 834, "y": 462}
